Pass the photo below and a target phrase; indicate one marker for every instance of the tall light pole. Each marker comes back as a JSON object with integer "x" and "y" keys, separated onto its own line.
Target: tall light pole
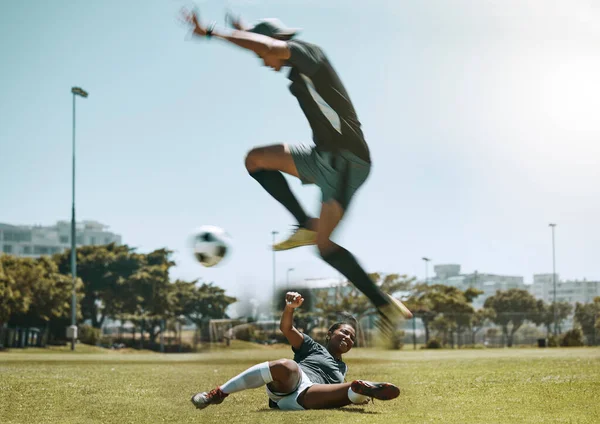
{"x": 77, "y": 91}
{"x": 554, "y": 281}
{"x": 287, "y": 280}
{"x": 426, "y": 270}
{"x": 274, "y": 233}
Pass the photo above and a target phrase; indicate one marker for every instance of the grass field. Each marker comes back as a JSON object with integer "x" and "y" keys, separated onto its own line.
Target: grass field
{"x": 459, "y": 386}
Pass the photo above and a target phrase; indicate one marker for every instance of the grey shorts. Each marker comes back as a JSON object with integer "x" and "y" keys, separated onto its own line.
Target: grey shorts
{"x": 338, "y": 175}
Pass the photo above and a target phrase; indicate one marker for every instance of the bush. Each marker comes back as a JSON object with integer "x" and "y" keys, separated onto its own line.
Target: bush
{"x": 88, "y": 334}
{"x": 572, "y": 338}
{"x": 434, "y": 344}
{"x": 552, "y": 341}
{"x": 397, "y": 341}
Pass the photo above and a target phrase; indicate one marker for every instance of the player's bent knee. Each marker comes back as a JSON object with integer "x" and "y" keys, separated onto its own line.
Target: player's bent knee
{"x": 284, "y": 369}
{"x": 251, "y": 162}
{"x": 267, "y": 158}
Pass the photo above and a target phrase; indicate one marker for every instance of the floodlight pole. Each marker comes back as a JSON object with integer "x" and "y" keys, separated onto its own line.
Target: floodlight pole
{"x": 77, "y": 91}
{"x": 273, "y": 233}
{"x": 554, "y": 282}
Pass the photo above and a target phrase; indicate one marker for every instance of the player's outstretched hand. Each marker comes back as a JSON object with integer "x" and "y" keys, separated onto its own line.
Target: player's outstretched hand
{"x": 234, "y": 20}
{"x": 191, "y": 18}
{"x": 293, "y": 299}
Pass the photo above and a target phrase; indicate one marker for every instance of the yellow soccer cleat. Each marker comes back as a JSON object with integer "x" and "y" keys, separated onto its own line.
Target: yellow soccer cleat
{"x": 300, "y": 237}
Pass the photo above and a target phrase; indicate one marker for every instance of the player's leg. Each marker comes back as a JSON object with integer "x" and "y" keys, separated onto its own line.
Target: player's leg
{"x": 265, "y": 165}
{"x": 328, "y": 396}
{"x": 341, "y": 259}
{"x": 339, "y": 184}
{"x": 281, "y": 376}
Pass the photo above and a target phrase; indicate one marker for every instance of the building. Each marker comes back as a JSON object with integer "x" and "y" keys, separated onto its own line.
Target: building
{"x": 571, "y": 291}
{"x": 449, "y": 275}
{"x": 37, "y": 240}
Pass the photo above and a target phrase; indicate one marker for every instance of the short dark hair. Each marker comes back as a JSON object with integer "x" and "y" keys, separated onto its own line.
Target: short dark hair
{"x": 339, "y": 324}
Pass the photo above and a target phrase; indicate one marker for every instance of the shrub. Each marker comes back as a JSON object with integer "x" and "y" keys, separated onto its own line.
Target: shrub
{"x": 397, "y": 341}
{"x": 88, "y": 334}
{"x": 572, "y": 338}
{"x": 433, "y": 344}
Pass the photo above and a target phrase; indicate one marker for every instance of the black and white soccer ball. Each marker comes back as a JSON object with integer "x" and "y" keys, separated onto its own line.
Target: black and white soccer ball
{"x": 210, "y": 244}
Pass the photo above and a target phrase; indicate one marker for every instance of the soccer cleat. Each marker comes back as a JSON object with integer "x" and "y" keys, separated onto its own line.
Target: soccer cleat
{"x": 214, "y": 397}
{"x": 380, "y": 391}
{"x": 301, "y": 237}
{"x": 395, "y": 310}
{"x": 385, "y": 326}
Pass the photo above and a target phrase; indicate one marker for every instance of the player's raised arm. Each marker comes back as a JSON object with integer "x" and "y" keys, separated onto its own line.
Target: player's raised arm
{"x": 292, "y": 301}
{"x": 258, "y": 43}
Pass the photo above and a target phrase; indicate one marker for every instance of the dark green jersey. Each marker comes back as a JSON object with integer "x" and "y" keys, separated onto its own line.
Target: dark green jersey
{"x": 318, "y": 364}
{"x": 325, "y": 101}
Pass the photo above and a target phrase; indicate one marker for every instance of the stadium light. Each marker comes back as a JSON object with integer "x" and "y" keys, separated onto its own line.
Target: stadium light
{"x": 554, "y": 281}
{"x": 426, "y": 269}
{"x": 274, "y": 233}
{"x": 77, "y": 91}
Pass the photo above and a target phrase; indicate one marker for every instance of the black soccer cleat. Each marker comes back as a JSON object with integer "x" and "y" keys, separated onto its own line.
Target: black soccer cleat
{"x": 380, "y": 391}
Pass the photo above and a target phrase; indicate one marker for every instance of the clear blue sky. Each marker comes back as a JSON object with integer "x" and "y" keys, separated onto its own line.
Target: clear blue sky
{"x": 482, "y": 118}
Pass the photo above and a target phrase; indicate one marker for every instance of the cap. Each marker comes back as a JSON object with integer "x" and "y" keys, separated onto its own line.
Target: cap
{"x": 273, "y": 27}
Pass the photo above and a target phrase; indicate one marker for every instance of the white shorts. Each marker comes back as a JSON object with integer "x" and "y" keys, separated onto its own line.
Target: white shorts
{"x": 289, "y": 402}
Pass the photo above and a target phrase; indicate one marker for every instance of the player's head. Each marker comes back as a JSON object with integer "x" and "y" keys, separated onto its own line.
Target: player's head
{"x": 340, "y": 338}
{"x": 273, "y": 28}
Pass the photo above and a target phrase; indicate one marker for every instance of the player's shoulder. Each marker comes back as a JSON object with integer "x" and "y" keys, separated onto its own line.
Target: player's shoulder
{"x": 304, "y": 47}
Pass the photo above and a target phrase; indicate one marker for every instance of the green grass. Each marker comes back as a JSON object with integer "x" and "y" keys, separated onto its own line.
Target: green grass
{"x": 467, "y": 386}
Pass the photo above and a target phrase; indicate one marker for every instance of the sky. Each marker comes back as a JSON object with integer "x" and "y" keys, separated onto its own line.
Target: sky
{"x": 481, "y": 116}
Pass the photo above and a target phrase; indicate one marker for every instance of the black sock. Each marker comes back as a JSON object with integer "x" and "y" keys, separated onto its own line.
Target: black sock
{"x": 276, "y": 185}
{"x": 344, "y": 262}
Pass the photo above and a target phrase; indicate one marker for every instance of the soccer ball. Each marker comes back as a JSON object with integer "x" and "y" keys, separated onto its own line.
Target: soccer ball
{"x": 210, "y": 244}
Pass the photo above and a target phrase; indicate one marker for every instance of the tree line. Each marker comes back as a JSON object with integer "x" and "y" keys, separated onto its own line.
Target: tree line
{"x": 113, "y": 281}
{"x": 117, "y": 282}
{"x": 449, "y": 311}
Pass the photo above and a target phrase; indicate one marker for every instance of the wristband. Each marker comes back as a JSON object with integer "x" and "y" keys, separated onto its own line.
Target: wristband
{"x": 210, "y": 29}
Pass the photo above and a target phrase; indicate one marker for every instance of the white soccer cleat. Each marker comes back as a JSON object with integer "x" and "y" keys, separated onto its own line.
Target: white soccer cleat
{"x": 214, "y": 397}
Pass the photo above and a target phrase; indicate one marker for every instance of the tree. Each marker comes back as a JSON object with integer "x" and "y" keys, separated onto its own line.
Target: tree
{"x": 513, "y": 306}
{"x": 12, "y": 299}
{"x": 150, "y": 301}
{"x": 479, "y": 319}
{"x": 587, "y": 316}
{"x": 546, "y": 314}
{"x": 443, "y": 326}
{"x": 104, "y": 271}
{"x": 430, "y": 301}
{"x": 204, "y": 303}
{"x": 33, "y": 291}
{"x": 422, "y": 306}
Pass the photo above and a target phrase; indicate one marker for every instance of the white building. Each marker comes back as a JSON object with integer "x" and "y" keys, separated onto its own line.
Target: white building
{"x": 37, "y": 240}
{"x": 449, "y": 275}
{"x": 571, "y": 291}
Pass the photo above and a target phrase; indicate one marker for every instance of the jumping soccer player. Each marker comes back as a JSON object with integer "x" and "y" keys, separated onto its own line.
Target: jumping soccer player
{"x": 314, "y": 379}
{"x": 338, "y": 163}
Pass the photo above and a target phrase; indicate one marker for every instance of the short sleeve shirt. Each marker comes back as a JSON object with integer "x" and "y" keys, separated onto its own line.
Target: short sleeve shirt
{"x": 324, "y": 100}
{"x": 316, "y": 361}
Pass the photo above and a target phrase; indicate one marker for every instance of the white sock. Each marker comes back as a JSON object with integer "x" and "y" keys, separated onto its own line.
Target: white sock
{"x": 356, "y": 398}
{"x": 253, "y": 377}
